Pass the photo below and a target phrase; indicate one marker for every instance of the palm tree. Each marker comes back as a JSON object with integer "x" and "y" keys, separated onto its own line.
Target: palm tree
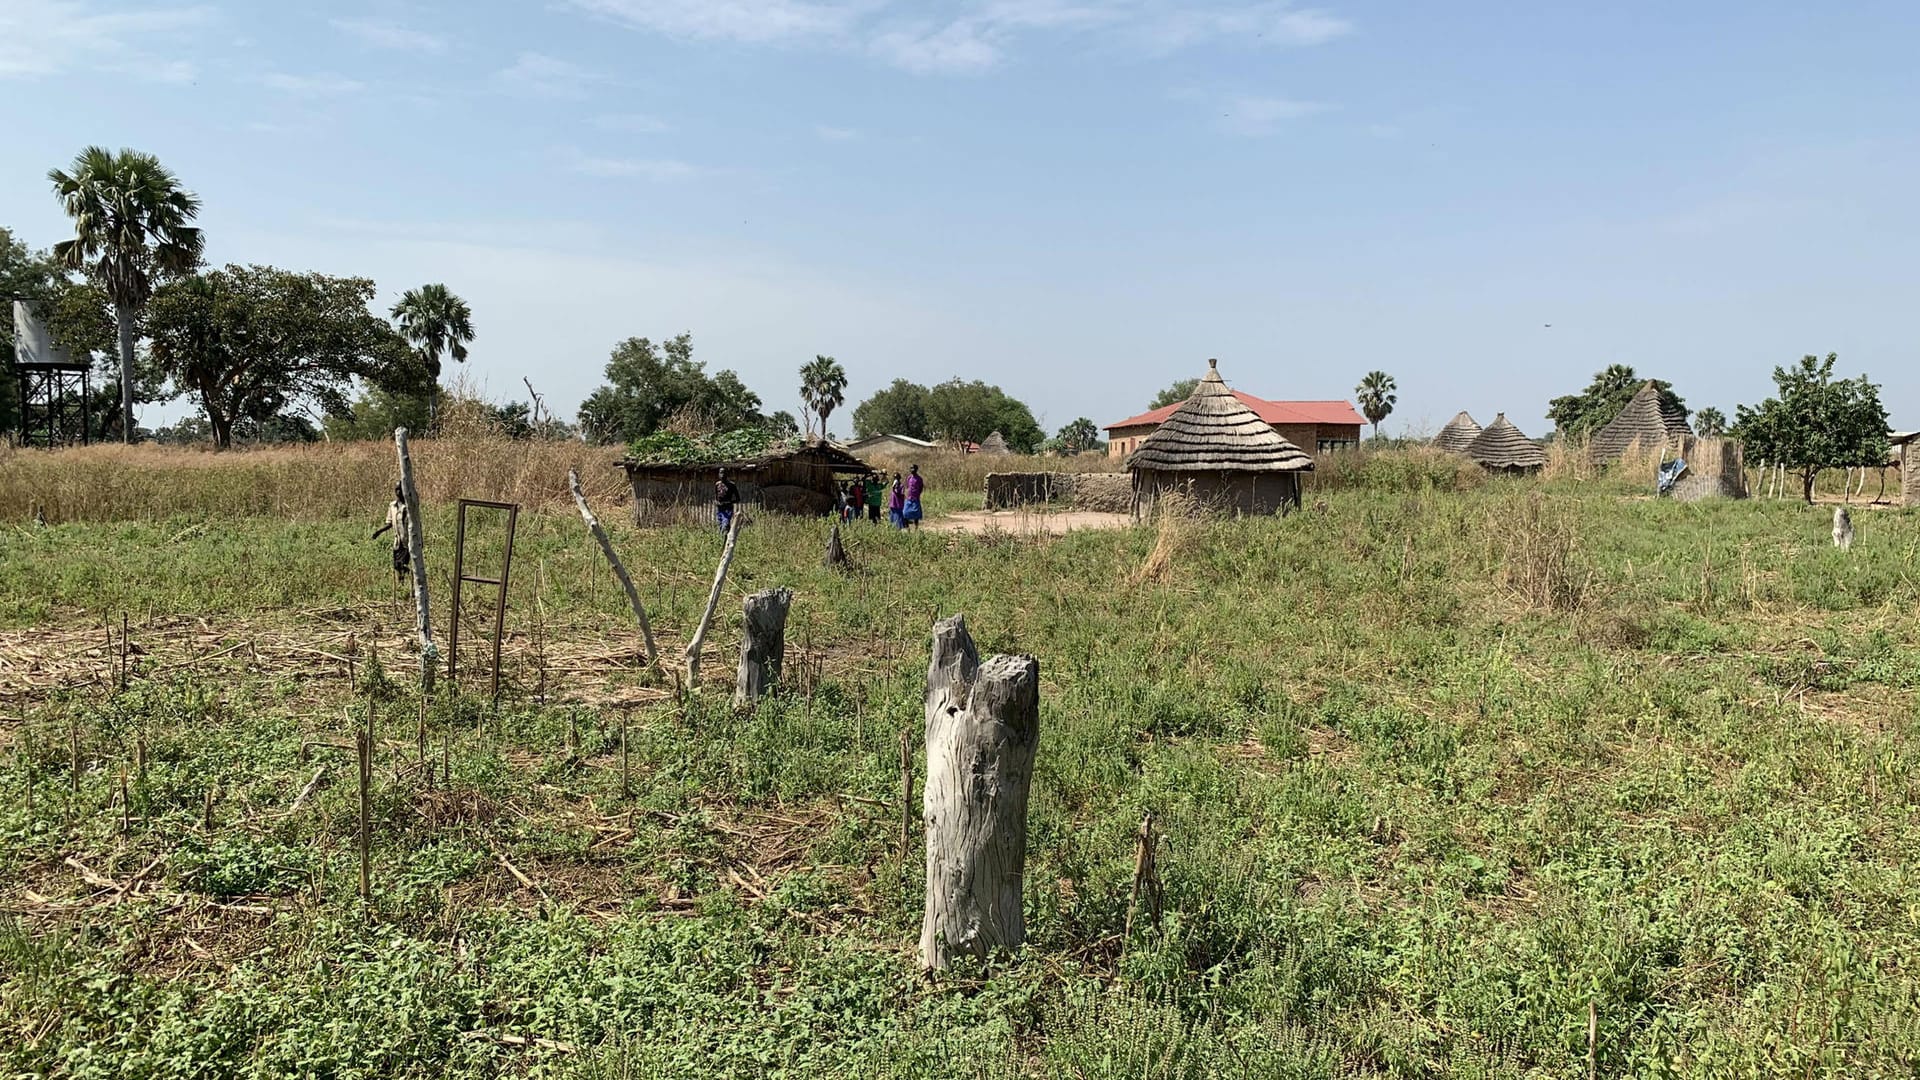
{"x": 1377, "y": 397}
{"x": 823, "y": 388}
{"x": 130, "y": 228}
{"x": 1710, "y": 422}
{"x": 435, "y": 321}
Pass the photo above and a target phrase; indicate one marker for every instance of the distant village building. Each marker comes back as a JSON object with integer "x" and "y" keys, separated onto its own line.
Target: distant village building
{"x": 995, "y": 445}
{"x": 1648, "y": 422}
{"x": 900, "y": 444}
{"x": 1458, "y": 434}
{"x": 1905, "y": 446}
{"x": 1500, "y": 447}
{"x": 1314, "y": 426}
{"x": 1214, "y": 452}
{"x": 796, "y": 480}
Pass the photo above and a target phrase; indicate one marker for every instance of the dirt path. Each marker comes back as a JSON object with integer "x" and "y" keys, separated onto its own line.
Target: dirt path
{"x": 1027, "y": 522}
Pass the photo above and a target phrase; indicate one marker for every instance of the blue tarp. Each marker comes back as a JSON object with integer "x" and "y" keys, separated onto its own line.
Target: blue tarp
{"x": 1670, "y": 474}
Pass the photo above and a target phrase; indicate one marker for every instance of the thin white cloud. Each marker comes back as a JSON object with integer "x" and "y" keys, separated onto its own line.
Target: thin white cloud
{"x": 660, "y": 170}
{"x": 756, "y": 21}
{"x": 1257, "y": 116}
{"x": 975, "y": 35}
{"x": 539, "y": 75}
{"x": 48, "y": 37}
{"x": 324, "y": 85}
{"x": 828, "y": 133}
{"x": 385, "y": 34}
{"x": 632, "y": 123}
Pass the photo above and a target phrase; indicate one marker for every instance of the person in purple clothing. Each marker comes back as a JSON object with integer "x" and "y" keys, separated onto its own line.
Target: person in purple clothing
{"x": 897, "y": 504}
{"x": 910, "y": 510}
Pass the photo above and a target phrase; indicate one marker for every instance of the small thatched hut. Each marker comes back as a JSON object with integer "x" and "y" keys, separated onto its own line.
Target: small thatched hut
{"x": 794, "y": 480}
{"x": 1648, "y": 421}
{"x": 1458, "y": 434}
{"x": 995, "y": 445}
{"x": 1215, "y": 453}
{"x": 1500, "y": 447}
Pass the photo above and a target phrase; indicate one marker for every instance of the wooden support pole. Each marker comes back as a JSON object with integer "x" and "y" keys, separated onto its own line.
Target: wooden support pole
{"x": 906, "y": 795}
{"x": 983, "y": 725}
{"x": 416, "y": 547}
{"x": 363, "y": 750}
{"x": 763, "y": 645}
{"x": 713, "y": 601}
{"x": 619, "y": 568}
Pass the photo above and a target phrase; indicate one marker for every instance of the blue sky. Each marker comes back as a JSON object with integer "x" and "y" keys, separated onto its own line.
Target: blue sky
{"x": 1080, "y": 200}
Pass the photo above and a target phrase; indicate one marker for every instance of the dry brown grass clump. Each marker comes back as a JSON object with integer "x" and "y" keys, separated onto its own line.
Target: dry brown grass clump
{"x": 321, "y": 480}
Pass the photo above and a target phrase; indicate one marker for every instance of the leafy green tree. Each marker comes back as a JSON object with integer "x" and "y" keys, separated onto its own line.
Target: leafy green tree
{"x": 376, "y": 412}
{"x": 1377, "y": 397}
{"x": 255, "y": 345}
{"x": 1595, "y": 407}
{"x": 1081, "y": 434}
{"x": 130, "y": 232}
{"x": 649, "y": 384}
{"x": 1815, "y": 422}
{"x": 965, "y": 411}
{"x": 823, "y": 388}
{"x": 1710, "y": 422}
{"x": 436, "y": 322}
{"x": 900, "y": 409}
{"x": 1181, "y": 390}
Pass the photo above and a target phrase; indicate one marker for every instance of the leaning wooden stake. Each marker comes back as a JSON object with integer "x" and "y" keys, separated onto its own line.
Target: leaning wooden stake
{"x": 416, "y": 548}
{"x": 713, "y": 601}
{"x": 619, "y": 568}
{"x": 906, "y": 794}
{"x": 983, "y": 724}
{"x": 763, "y": 645}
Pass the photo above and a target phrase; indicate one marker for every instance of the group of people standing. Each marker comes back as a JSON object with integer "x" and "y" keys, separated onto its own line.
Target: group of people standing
{"x": 899, "y": 494}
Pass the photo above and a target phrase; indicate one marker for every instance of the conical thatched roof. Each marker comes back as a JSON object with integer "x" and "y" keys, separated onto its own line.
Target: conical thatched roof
{"x": 1646, "y": 420}
{"x": 1216, "y": 432}
{"x": 1500, "y": 445}
{"x": 1458, "y": 433}
{"x": 995, "y": 443}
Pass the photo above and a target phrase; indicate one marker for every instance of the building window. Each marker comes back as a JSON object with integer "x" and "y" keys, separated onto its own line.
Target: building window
{"x": 1337, "y": 444}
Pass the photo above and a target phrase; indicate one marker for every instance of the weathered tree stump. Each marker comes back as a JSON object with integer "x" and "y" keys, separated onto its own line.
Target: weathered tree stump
{"x": 763, "y": 645}
{"x": 983, "y": 723}
{"x": 836, "y": 557}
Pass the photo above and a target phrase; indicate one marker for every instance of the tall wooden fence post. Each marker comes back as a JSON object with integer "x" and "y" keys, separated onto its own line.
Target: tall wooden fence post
{"x": 416, "y": 547}
{"x": 763, "y": 645}
{"x": 983, "y": 724}
{"x": 713, "y": 601}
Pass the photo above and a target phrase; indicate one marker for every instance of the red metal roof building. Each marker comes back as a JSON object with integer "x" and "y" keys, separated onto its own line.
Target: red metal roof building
{"x": 1312, "y": 426}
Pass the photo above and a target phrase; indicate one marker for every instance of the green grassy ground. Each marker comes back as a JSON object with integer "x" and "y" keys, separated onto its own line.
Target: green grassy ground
{"x": 1498, "y": 783}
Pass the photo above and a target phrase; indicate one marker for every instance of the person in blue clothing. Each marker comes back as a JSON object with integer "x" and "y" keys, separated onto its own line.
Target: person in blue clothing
{"x": 726, "y": 496}
{"x": 910, "y": 512}
{"x": 897, "y": 504}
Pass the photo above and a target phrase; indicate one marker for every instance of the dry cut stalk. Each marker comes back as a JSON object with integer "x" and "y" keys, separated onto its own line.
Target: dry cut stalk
{"x": 713, "y": 601}
{"x": 619, "y": 568}
{"x": 363, "y": 749}
{"x": 416, "y": 546}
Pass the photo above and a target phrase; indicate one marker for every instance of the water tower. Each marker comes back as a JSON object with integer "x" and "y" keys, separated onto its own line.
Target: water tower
{"x": 54, "y": 386}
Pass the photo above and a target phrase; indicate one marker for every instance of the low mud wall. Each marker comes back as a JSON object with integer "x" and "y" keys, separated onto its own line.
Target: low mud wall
{"x": 1108, "y": 492}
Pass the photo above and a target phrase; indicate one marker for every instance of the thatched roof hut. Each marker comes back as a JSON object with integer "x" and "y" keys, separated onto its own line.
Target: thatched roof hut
{"x": 1716, "y": 468}
{"x": 1216, "y": 453}
{"x": 995, "y": 444}
{"x": 1458, "y": 433}
{"x": 792, "y": 480}
{"x": 1500, "y": 447}
{"x": 1648, "y": 421}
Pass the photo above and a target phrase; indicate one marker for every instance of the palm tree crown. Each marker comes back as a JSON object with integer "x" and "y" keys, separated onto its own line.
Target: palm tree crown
{"x": 823, "y": 388}
{"x": 130, "y": 228}
{"x": 1377, "y": 397}
{"x": 435, "y": 321}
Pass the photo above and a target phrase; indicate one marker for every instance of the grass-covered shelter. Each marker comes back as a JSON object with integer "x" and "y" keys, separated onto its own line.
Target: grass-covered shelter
{"x": 1649, "y": 421}
{"x": 1215, "y": 453}
{"x": 790, "y": 479}
{"x": 1501, "y": 447}
{"x": 1458, "y": 434}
